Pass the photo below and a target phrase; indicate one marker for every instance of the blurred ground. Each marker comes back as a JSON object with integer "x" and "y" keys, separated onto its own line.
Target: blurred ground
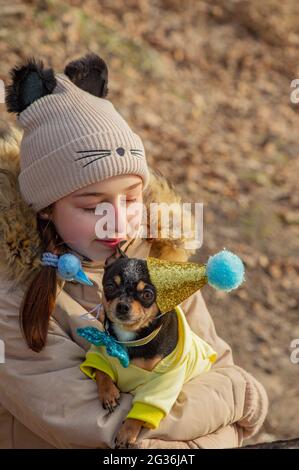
{"x": 207, "y": 86}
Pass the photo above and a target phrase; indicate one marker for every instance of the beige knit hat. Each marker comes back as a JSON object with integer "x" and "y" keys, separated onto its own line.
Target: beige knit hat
{"x": 72, "y": 137}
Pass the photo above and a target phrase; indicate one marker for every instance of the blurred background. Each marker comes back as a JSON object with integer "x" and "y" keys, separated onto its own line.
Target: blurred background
{"x": 206, "y": 84}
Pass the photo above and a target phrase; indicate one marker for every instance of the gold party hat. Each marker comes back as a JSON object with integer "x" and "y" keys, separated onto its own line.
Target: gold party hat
{"x": 175, "y": 281}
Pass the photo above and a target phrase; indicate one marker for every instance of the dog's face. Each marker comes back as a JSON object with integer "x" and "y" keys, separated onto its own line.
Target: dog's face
{"x": 129, "y": 296}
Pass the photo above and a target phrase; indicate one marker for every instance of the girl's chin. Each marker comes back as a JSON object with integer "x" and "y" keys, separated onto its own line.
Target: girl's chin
{"x": 100, "y": 247}
{"x": 103, "y": 249}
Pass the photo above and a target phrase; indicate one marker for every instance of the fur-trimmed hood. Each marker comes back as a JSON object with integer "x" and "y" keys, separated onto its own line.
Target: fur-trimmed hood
{"x": 20, "y": 247}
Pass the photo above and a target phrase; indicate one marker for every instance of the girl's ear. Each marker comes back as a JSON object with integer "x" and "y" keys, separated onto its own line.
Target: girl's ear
{"x": 29, "y": 83}
{"x": 90, "y": 73}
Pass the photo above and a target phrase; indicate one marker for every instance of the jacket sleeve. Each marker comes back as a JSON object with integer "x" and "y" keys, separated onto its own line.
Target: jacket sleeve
{"x": 224, "y": 397}
{"x": 47, "y": 391}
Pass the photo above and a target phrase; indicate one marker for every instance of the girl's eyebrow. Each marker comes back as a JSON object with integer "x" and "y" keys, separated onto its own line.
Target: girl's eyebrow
{"x": 103, "y": 194}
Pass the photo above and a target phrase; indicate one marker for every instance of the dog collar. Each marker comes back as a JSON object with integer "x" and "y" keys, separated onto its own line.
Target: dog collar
{"x": 137, "y": 342}
{"x": 113, "y": 347}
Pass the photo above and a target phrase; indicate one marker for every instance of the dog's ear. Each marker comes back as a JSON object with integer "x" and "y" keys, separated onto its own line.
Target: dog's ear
{"x": 30, "y": 81}
{"x": 119, "y": 253}
{"x": 110, "y": 260}
{"x": 90, "y": 73}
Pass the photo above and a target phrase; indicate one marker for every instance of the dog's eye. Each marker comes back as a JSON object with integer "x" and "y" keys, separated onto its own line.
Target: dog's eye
{"x": 147, "y": 295}
{"x": 109, "y": 289}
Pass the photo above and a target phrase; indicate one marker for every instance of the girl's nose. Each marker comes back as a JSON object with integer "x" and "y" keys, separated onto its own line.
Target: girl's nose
{"x": 119, "y": 204}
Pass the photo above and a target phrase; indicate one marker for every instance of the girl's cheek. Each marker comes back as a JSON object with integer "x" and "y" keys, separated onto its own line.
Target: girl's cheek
{"x": 132, "y": 227}
{"x": 85, "y": 225}
{"x": 78, "y": 226}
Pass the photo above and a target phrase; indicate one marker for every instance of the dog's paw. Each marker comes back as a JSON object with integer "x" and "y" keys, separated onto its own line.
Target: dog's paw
{"x": 123, "y": 441}
{"x": 109, "y": 395}
{"x": 128, "y": 433}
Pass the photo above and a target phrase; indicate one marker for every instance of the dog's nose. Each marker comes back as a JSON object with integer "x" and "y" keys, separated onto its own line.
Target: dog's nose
{"x": 122, "y": 308}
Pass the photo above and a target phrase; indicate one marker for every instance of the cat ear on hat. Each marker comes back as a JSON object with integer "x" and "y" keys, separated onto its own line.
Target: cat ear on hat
{"x": 30, "y": 81}
{"x": 90, "y": 73}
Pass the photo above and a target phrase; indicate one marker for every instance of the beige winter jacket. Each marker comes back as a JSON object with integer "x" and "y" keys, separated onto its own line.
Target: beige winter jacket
{"x": 45, "y": 399}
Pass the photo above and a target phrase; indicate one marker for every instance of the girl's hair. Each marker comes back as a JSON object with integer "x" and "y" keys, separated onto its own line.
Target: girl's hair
{"x": 39, "y": 300}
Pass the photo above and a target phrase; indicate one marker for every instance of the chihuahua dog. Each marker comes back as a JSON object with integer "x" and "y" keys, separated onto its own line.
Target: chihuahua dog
{"x": 131, "y": 313}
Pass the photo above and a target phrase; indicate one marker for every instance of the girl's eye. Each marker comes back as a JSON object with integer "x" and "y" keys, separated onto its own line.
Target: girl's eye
{"x": 131, "y": 200}
{"x": 94, "y": 208}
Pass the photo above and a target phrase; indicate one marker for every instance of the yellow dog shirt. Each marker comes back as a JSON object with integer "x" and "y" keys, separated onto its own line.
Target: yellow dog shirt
{"x": 155, "y": 391}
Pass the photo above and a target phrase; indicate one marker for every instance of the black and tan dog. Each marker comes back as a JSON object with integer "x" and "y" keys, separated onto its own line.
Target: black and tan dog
{"x": 131, "y": 313}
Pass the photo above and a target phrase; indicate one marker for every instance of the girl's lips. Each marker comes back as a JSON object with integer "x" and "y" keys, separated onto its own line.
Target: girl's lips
{"x": 110, "y": 243}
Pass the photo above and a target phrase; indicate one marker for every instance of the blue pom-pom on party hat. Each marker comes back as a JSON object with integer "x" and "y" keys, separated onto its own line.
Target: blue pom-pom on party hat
{"x": 225, "y": 271}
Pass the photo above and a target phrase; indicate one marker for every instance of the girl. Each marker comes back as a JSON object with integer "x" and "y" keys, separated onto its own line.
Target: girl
{"x": 77, "y": 151}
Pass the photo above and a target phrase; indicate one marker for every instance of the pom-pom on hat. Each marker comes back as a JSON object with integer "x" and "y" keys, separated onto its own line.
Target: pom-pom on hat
{"x": 73, "y": 136}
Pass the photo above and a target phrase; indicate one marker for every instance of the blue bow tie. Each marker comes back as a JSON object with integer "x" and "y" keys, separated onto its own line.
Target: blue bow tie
{"x": 101, "y": 338}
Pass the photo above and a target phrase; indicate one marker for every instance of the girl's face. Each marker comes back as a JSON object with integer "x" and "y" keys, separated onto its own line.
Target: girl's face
{"x": 75, "y": 216}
